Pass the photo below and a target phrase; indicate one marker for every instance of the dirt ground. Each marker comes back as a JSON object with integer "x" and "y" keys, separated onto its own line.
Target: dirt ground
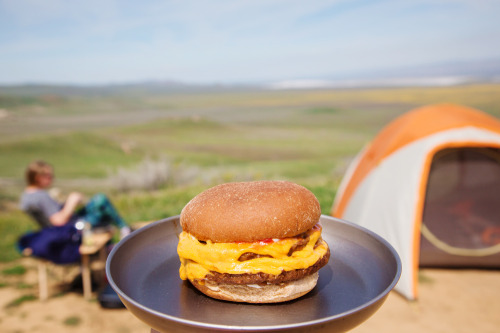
{"x": 450, "y": 301}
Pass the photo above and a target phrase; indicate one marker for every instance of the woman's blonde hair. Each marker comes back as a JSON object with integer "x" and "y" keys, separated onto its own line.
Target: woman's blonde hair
{"x": 35, "y": 169}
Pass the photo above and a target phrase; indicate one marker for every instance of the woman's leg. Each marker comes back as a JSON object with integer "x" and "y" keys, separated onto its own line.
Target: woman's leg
{"x": 100, "y": 211}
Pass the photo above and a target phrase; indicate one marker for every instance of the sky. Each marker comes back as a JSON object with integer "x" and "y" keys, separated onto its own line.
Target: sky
{"x": 236, "y": 41}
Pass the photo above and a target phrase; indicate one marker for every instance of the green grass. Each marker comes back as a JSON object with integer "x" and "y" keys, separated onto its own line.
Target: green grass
{"x": 322, "y": 110}
{"x": 23, "y": 285}
{"x": 14, "y": 270}
{"x": 20, "y": 300}
{"x": 147, "y": 206}
{"x": 72, "y": 321}
{"x": 13, "y": 223}
{"x": 9, "y": 101}
{"x": 73, "y": 155}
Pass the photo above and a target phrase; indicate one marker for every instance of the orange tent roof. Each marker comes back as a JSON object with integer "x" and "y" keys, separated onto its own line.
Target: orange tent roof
{"x": 410, "y": 127}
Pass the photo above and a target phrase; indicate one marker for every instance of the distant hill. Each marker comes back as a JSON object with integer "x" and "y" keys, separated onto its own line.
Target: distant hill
{"x": 436, "y": 74}
{"x": 131, "y": 89}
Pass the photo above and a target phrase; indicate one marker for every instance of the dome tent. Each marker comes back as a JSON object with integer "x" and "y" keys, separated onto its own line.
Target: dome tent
{"x": 432, "y": 169}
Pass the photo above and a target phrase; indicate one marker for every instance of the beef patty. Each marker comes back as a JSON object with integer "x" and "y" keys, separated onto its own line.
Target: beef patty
{"x": 264, "y": 278}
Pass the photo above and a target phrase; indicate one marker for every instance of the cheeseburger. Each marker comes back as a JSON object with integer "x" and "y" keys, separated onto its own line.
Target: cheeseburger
{"x": 254, "y": 242}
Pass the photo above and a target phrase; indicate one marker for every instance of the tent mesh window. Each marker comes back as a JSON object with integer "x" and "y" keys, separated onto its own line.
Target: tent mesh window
{"x": 461, "y": 217}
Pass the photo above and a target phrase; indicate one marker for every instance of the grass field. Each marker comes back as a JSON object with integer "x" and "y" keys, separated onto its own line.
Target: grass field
{"x": 190, "y": 141}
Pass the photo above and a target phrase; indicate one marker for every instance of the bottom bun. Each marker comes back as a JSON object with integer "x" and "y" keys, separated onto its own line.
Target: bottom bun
{"x": 270, "y": 293}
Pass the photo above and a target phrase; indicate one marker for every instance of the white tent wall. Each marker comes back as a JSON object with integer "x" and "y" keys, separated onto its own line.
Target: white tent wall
{"x": 348, "y": 174}
{"x": 388, "y": 200}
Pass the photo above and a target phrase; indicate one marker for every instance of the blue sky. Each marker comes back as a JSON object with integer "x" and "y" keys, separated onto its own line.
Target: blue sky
{"x": 236, "y": 41}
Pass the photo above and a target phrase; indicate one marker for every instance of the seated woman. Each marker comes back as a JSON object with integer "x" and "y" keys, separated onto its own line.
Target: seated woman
{"x": 47, "y": 212}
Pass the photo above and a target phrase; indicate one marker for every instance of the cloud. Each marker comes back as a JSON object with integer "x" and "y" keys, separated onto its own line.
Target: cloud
{"x": 230, "y": 40}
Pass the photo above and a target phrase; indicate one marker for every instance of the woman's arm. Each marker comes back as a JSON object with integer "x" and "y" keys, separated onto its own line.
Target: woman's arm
{"x": 63, "y": 216}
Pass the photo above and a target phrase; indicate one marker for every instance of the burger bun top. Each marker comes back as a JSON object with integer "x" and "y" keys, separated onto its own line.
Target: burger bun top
{"x": 250, "y": 211}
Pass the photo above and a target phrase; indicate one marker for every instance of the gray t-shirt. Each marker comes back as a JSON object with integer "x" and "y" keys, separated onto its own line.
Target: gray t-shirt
{"x": 40, "y": 206}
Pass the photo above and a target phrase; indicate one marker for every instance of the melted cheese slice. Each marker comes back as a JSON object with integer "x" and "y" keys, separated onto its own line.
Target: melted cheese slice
{"x": 198, "y": 259}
